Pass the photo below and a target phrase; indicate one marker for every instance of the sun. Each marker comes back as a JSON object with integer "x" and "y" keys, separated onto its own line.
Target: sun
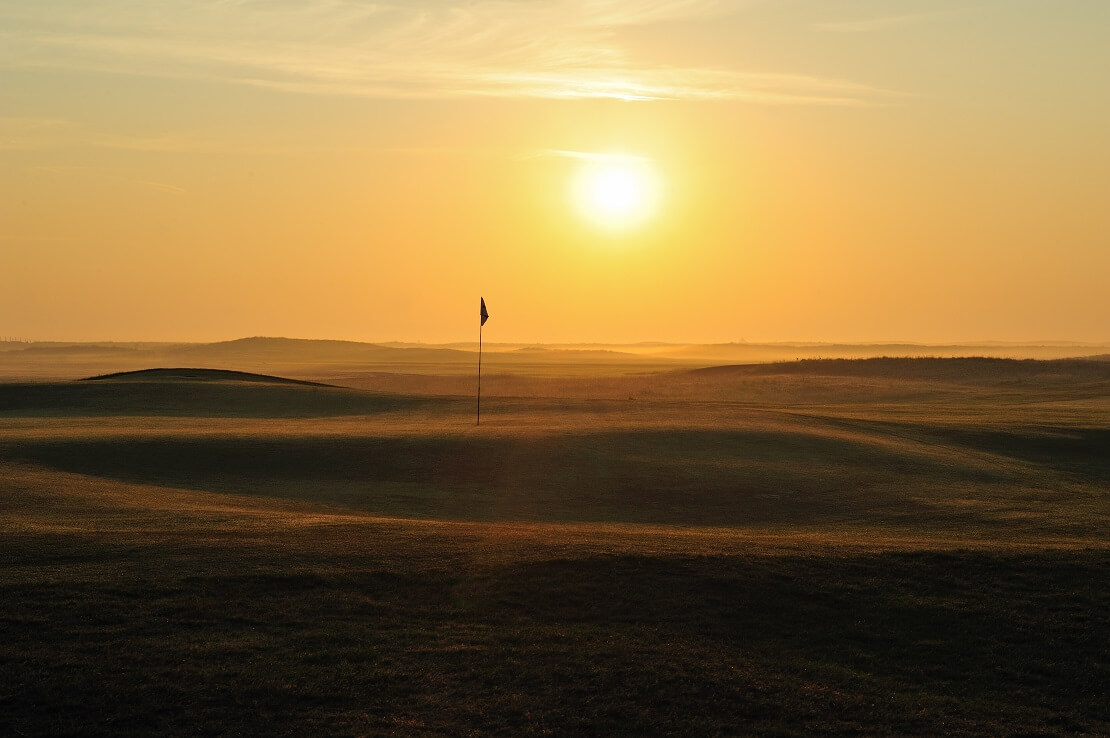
{"x": 616, "y": 192}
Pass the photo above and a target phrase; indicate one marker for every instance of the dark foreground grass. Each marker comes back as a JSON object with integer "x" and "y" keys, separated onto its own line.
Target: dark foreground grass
{"x": 383, "y": 628}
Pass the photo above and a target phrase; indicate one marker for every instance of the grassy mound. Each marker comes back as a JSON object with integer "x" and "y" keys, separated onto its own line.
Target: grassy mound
{"x": 201, "y": 393}
{"x": 196, "y": 375}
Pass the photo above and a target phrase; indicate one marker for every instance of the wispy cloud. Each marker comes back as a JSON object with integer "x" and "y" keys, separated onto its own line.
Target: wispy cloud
{"x": 24, "y": 133}
{"x": 31, "y": 134}
{"x": 586, "y": 155}
{"x": 28, "y": 133}
{"x": 866, "y": 25}
{"x": 419, "y": 48}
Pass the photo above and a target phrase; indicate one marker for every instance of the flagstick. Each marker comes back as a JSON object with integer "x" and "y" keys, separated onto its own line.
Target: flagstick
{"x": 479, "y": 374}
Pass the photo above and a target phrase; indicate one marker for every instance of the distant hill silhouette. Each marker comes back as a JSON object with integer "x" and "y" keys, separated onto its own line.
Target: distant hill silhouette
{"x": 952, "y": 369}
{"x": 77, "y": 348}
{"x": 329, "y": 359}
{"x": 260, "y": 348}
{"x": 198, "y": 375}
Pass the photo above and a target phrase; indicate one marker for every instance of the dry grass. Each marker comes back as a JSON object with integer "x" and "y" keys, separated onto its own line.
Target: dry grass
{"x": 255, "y": 560}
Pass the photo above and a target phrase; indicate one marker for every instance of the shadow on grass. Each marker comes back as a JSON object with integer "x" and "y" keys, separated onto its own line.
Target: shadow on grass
{"x": 916, "y": 643}
{"x": 1082, "y": 452}
{"x": 202, "y": 399}
{"x": 694, "y": 477}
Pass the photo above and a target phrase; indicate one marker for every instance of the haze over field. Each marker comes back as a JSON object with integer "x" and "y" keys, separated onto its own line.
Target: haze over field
{"x": 349, "y": 361}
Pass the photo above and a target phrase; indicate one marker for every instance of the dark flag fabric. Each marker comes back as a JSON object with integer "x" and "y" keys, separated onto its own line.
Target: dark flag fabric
{"x": 483, "y": 313}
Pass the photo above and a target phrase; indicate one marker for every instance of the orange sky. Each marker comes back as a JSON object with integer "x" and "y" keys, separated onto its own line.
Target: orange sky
{"x": 853, "y": 171}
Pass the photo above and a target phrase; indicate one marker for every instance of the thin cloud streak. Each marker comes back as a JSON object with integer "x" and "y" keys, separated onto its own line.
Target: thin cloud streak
{"x": 586, "y": 155}
{"x": 562, "y": 49}
{"x": 36, "y": 134}
{"x": 30, "y": 134}
{"x": 867, "y": 25}
{"x": 25, "y": 134}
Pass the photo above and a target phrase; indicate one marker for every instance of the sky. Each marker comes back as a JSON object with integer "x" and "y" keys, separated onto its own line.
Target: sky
{"x": 809, "y": 170}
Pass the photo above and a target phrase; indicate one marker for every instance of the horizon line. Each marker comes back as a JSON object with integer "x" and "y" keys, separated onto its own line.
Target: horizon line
{"x": 647, "y": 342}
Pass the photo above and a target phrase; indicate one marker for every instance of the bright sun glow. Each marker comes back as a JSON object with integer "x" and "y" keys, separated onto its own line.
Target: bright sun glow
{"x": 616, "y": 192}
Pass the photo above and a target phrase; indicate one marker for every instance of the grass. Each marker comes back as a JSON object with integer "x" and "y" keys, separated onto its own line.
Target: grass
{"x": 833, "y": 564}
{"x": 196, "y": 375}
{"x": 126, "y": 396}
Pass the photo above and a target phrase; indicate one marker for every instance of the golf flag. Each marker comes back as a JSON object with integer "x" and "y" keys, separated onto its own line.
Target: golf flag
{"x": 484, "y": 316}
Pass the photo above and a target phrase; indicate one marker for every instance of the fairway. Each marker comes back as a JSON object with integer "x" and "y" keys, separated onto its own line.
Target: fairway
{"x": 887, "y": 547}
